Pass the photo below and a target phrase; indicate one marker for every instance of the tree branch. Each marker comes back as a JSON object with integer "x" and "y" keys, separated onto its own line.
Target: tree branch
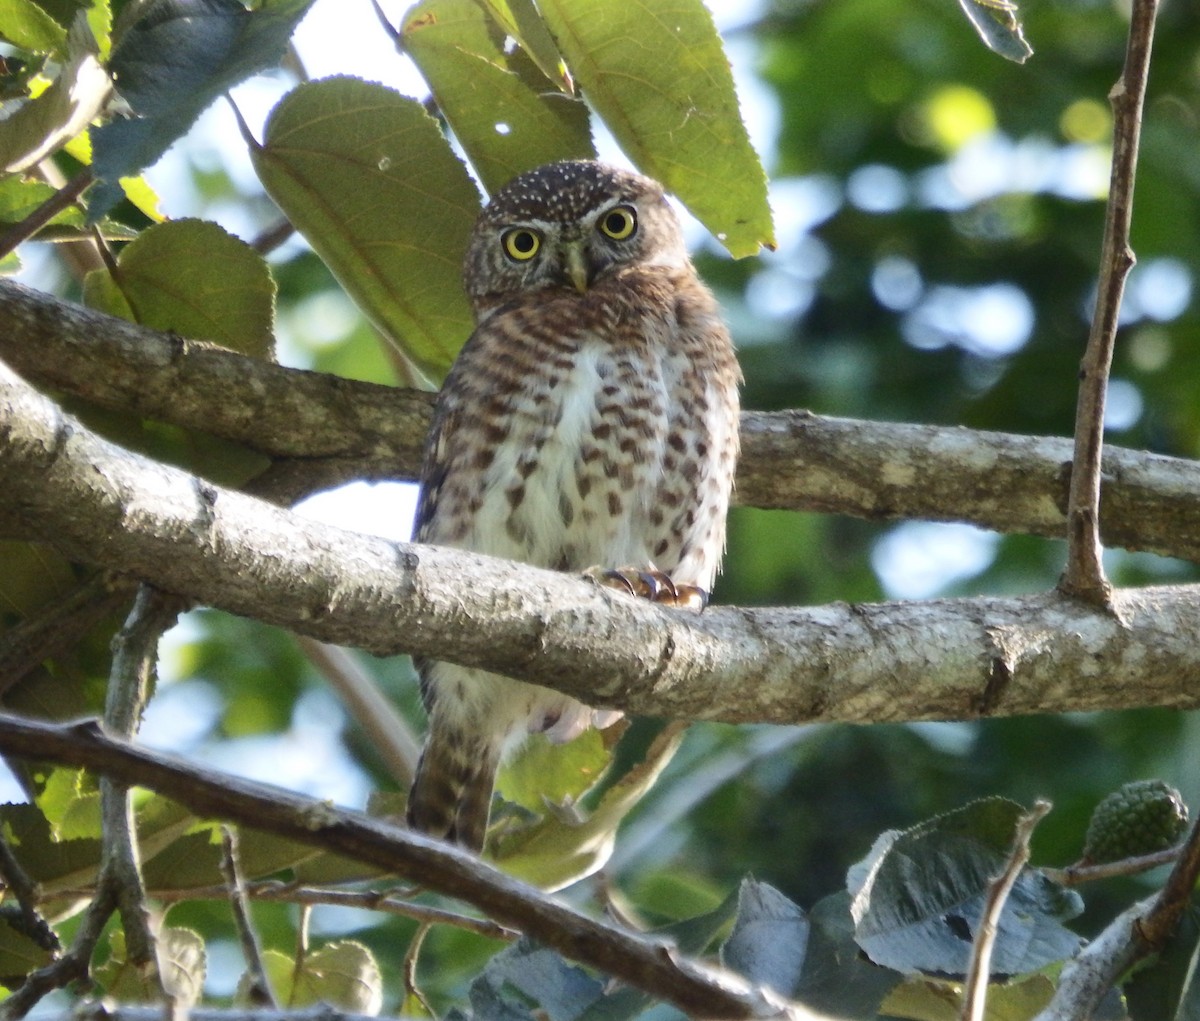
{"x": 966, "y": 658}
{"x": 1084, "y": 575}
{"x": 324, "y": 430}
{"x": 650, "y": 965}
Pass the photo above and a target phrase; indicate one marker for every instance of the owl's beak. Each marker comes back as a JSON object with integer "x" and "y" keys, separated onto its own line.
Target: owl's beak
{"x": 577, "y": 268}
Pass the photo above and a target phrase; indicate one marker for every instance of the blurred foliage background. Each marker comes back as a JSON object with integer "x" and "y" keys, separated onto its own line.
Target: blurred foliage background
{"x": 939, "y": 215}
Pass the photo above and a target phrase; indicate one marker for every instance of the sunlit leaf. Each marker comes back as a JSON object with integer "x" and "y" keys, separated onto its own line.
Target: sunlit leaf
{"x": 23, "y": 23}
{"x": 520, "y": 20}
{"x": 182, "y": 963}
{"x": 999, "y": 26}
{"x": 369, "y": 179}
{"x": 566, "y": 845}
{"x": 71, "y": 803}
{"x": 657, "y": 74}
{"x": 496, "y": 101}
{"x": 343, "y": 974}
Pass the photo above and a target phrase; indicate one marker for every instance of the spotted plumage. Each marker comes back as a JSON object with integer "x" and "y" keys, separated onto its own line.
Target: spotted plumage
{"x": 590, "y": 420}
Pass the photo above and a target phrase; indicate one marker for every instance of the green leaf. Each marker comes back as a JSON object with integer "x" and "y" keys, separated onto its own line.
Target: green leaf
{"x": 520, "y": 20}
{"x": 656, "y": 73}
{"x": 496, "y": 102}
{"x": 24, "y": 24}
{"x": 919, "y": 894}
{"x": 19, "y": 955}
{"x": 43, "y": 125}
{"x": 369, "y": 179}
{"x": 172, "y": 63}
{"x": 999, "y": 26}
{"x": 565, "y": 845}
{"x": 192, "y": 278}
{"x": 343, "y": 974}
{"x": 54, "y": 864}
{"x": 182, "y": 961}
{"x": 71, "y": 803}
{"x": 544, "y": 772}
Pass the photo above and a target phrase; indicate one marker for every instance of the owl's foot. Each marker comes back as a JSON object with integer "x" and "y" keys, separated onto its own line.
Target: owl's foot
{"x": 651, "y": 584}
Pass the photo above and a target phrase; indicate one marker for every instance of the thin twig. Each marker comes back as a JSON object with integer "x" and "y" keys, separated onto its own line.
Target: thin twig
{"x": 1076, "y": 875}
{"x": 390, "y": 902}
{"x": 389, "y": 732}
{"x": 66, "y": 196}
{"x": 29, "y": 920}
{"x": 1084, "y": 575}
{"x": 1156, "y": 927}
{"x": 258, "y": 988}
{"x": 980, "y": 969}
{"x": 700, "y": 990}
{"x": 411, "y": 955}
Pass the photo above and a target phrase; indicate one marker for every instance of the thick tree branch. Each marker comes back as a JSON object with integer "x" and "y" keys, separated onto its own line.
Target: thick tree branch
{"x": 650, "y": 965}
{"x": 325, "y": 430}
{"x": 966, "y": 658}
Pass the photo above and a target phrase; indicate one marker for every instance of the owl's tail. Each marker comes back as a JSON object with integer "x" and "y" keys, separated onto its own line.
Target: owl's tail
{"x": 451, "y": 796}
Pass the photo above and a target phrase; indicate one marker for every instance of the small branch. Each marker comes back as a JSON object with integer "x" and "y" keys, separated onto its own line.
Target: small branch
{"x": 66, "y": 196}
{"x": 645, "y": 963}
{"x": 1158, "y": 925}
{"x": 104, "y": 1010}
{"x": 1076, "y": 875}
{"x": 1084, "y": 575}
{"x": 387, "y": 901}
{"x": 389, "y": 732}
{"x": 412, "y": 991}
{"x": 980, "y": 969}
{"x": 27, "y": 917}
{"x": 258, "y": 989}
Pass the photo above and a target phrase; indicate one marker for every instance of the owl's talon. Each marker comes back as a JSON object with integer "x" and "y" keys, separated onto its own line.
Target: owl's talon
{"x": 652, "y": 584}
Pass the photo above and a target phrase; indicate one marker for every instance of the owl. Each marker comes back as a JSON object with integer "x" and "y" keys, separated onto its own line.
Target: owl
{"x": 590, "y": 422}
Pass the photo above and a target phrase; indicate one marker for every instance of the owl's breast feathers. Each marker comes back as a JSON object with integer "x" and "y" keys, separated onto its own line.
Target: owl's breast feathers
{"x": 595, "y": 428}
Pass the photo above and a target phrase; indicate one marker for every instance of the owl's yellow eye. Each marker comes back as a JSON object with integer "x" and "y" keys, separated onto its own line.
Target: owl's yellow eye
{"x": 520, "y": 243}
{"x": 619, "y": 222}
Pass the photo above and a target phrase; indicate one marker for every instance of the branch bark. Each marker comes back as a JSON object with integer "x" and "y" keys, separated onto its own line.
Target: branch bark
{"x": 964, "y": 658}
{"x": 1084, "y": 575}
{"x": 646, "y": 963}
{"x": 324, "y": 430}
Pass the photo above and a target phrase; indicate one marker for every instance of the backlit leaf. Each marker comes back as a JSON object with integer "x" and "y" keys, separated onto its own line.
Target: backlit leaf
{"x": 369, "y": 179}
{"x": 657, "y": 74}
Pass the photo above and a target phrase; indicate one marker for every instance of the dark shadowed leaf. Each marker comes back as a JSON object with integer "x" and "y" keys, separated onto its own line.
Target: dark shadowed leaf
{"x": 917, "y": 897}
{"x": 769, "y": 938}
{"x": 174, "y": 61}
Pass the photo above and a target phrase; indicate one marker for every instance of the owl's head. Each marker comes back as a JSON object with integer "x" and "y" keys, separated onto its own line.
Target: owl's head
{"x": 568, "y": 225}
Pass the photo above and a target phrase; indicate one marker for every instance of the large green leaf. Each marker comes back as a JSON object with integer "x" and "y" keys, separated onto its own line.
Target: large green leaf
{"x": 496, "y": 101}
{"x": 656, "y": 73}
{"x": 369, "y": 179}
{"x": 194, "y": 279}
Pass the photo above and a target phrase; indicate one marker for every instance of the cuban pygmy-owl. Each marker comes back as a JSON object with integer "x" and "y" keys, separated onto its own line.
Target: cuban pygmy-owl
{"x": 590, "y": 420}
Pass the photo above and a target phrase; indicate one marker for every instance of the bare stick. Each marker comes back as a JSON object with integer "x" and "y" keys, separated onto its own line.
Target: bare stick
{"x": 979, "y": 971}
{"x": 389, "y": 732}
{"x": 47, "y": 211}
{"x": 258, "y": 988}
{"x": 1076, "y": 875}
{"x": 1084, "y": 575}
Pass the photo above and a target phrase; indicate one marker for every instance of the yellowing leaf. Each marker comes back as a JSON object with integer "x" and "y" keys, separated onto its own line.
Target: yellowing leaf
{"x": 370, "y": 181}
{"x": 23, "y": 23}
{"x": 496, "y": 102}
{"x": 656, "y": 73}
